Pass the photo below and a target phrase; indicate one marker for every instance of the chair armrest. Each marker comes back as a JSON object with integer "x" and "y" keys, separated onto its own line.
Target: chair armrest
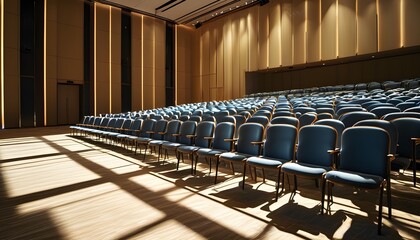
{"x": 208, "y": 138}
{"x": 230, "y": 139}
{"x": 176, "y": 134}
{"x": 150, "y": 132}
{"x": 391, "y": 157}
{"x": 334, "y": 151}
{"x": 161, "y": 133}
{"x": 416, "y": 140}
{"x": 257, "y": 143}
{"x": 191, "y": 136}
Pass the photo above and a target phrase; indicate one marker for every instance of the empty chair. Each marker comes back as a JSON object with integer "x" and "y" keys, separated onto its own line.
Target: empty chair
{"x": 201, "y": 139}
{"x": 413, "y": 109}
{"x": 147, "y": 133}
{"x": 249, "y": 133}
{"x": 373, "y": 106}
{"x": 184, "y": 118}
{"x": 265, "y": 113}
{"x": 405, "y": 105}
{"x": 349, "y": 119}
{"x": 283, "y": 114}
{"x": 222, "y": 132}
{"x": 195, "y": 118}
{"x": 408, "y": 143}
{"x": 304, "y": 110}
{"x": 336, "y": 124}
{"x": 187, "y": 129}
{"x": 209, "y": 119}
{"x": 239, "y": 120}
{"x": 395, "y": 101}
{"x": 286, "y": 120}
{"x": 273, "y": 156}
{"x": 392, "y": 116}
{"x": 226, "y": 119}
{"x": 307, "y": 119}
{"x": 381, "y": 111}
{"x": 364, "y": 163}
{"x": 324, "y": 115}
{"x": 172, "y": 128}
{"x": 263, "y": 120}
{"x": 325, "y": 110}
{"x": 312, "y": 157}
{"x": 345, "y": 110}
{"x": 387, "y": 126}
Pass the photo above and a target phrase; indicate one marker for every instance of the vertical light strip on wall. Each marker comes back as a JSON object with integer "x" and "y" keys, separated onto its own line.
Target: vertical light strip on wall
{"x": 2, "y": 61}
{"x": 94, "y": 58}
{"x": 336, "y": 28}
{"x": 110, "y": 59}
{"x": 279, "y": 30}
{"x": 402, "y": 23}
{"x": 320, "y": 30}
{"x": 267, "y": 19}
{"x": 154, "y": 64}
{"x": 377, "y": 25}
{"x": 142, "y": 62}
{"x": 45, "y": 63}
{"x": 305, "y": 44}
{"x": 357, "y": 27}
{"x": 176, "y": 65}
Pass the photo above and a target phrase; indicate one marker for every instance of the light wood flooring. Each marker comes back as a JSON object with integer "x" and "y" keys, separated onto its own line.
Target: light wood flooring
{"x": 56, "y": 186}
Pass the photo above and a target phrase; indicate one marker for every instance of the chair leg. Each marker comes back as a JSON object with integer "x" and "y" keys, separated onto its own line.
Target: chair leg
{"x": 243, "y": 176}
{"x": 414, "y": 162}
{"x": 232, "y": 167}
{"x": 388, "y": 192}
{"x": 217, "y": 168}
{"x": 295, "y": 182}
{"x": 380, "y": 209}
{"x": 178, "y": 155}
{"x": 278, "y": 184}
{"x": 255, "y": 173}
{"x": 192, "y": 163}
{"x": 322, "y": 194}
{"x": 263, "y": 173}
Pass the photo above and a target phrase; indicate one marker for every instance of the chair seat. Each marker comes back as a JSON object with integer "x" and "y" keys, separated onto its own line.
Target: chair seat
{"x": 187, "y": 149}
{"x": 234, "y": 156}
{"x": 209, "y": 152}
{"x": 142, "y": 139}
{"x": 123, "y": 136}
{"x": 265, "y": 162}
{"x": 355, "y": 179}
{"x": 170, "y": 145}
{"x": 155, "y": 143}
{"x": 302, "y": 169}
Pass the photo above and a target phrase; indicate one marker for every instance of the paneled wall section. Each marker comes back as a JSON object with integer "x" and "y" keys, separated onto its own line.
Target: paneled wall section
{"x": 286, "y": 33}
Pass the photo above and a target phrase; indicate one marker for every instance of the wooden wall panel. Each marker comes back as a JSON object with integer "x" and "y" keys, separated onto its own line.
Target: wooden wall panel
{"x": 328, "y": 29}
{"x": 366, "y": 27}
{"x": 286, "y": 33}
{"x": 235, "y": 57}
{"x": 183, "y": 63}
{"x": 115, "y": 60}
{"x": 299, "y": 35}
{"x": 160, "y": 55}
{"x": 274, "y": 46}
{"x": 148, "y": 62}
{"x": 314, "y": 31}
{"x": 102, "y": 59}
{"x": 51, "y": 55}
{"x": 347, "y": 28}
{"x": 263, "y": 36}
{"x": 243, "y": 53}
{"x": 136, "y": 62}
{"x": 227, "y": 53}
{"x": 11, "y": 66}
{"x": 253, "y": 38}
{"x": 411, "y": 18}
{"x": 219, "y": 56}
{"x": 389, "y": 25}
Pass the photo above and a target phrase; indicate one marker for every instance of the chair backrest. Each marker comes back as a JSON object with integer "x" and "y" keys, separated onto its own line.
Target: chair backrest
{"x": 349, "y": 119}
{"x": 204, "y": 129}
{"x": 184, "y": 118}
{"x": 195, "y": 118}
{"x": 263, "y": 112}
{"x": 413, "y": 109}
{"x": 147, "y": 127}
{"x": 324, "y": 115}
{"x": 119, "y": 123}
{"x": 314, "y": 143}
{"x": 127, "y": 124}
{"x": 112, "y": 122}
{"x": 345, "y": 110}
{"x": 307, "y": 119}
{"x": 248, "y": 133}
{"x": 283, "y": 135}
{"x": 304, "y": 110}
{"x": 381, "y": 111}
{"x": 387, "y": 126}
{"x": 171, "y": 129}
{"x": 392, "y": 116}
{"x": 135, "y": 126}
{"x": 187, "y": 128}
{"x": 373, "y": 106}
{"x": 365, "y": 149}
{"x": 405, "y": 105}
{"x": 286, "y": 120}
{"x": 239, "y": 120}
{"x": 263, "y": 120}
{"x": 226, "y": 119}
{"x": 283, "y": 114}
{"x": 224, "y": 130}
{"x": 395, "y": 101}
{"x": 104, "y": 122}
{"x": 407, "y": 128}
{"x": 325, "y": 110}
{"x": 336, "y": 124}
{"x": 209, "y": 119}
{"x": 97, "y": 121}
{"x": 160, "y": 127}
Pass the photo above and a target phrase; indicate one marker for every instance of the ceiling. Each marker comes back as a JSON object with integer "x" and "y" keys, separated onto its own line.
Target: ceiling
{"x": 184, "y": 11}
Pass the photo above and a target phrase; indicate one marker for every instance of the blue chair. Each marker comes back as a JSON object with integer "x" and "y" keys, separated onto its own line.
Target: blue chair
{"x": 382, "y": 111}
{"x": 312, "y": 157}
{"x": 408, "y": 143}
{"x": 349, "y": 119}
{"x": 201, "y": 139}
{"x": 286, "y": 120}
{"x": 145, "y": 134}
{"x": 187, "y": 129}
{"x": 307, "y": 119}
{"x": 249, "y": 133}
{"x": 263, "y": 120}
{"x": 336, "y": 124}
{"x": 124, "y": 138}
{"x": 364, "y": 163}
{"x": 387, "y": 126}
{"x": 169, "y": 135}
{"x": 223, "y": 131}
{"x": 392, "y": 116}
{"x": 273, "y": 156}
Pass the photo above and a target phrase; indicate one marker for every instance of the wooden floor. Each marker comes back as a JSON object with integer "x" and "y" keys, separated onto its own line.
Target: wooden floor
{"x": 55, "y": 186}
